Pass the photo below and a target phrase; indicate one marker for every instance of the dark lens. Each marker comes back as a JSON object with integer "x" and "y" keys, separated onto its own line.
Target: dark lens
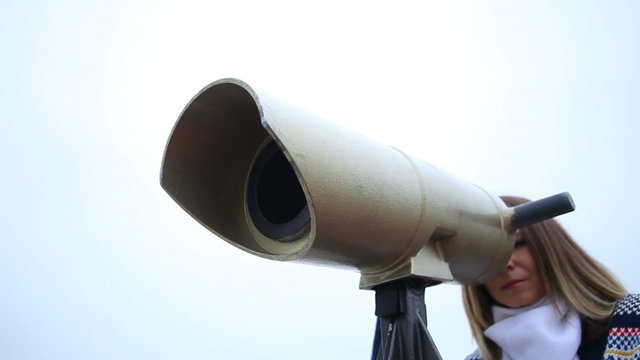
{"x": 276, "y": 201}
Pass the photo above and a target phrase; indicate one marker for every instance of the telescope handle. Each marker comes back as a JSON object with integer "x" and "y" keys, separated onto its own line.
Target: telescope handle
{"x": 543, "y": 209}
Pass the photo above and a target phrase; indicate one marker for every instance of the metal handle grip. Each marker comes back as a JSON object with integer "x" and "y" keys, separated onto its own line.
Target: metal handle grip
{"x": 543, "y": 209}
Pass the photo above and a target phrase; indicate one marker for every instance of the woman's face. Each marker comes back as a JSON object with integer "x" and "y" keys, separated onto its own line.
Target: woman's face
{"x": 520, "y": 283}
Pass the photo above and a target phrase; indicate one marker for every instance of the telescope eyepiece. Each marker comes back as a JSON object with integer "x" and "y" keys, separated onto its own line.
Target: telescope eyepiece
{"x": 275, "y": 199}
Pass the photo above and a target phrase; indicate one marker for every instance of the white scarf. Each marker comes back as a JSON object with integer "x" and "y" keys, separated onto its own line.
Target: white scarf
{"x": 536, "y": 332}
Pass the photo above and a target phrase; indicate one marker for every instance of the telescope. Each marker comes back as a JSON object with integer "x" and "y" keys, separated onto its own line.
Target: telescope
{"x": 278, "y": 182}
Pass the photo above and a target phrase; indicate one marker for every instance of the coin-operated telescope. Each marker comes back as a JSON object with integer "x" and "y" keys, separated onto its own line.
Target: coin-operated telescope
{"x": 283, "y": 184}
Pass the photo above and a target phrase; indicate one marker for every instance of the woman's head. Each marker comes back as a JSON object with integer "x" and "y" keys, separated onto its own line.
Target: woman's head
{"x": 519, "y": 283}
{"x": 559, "y": 269}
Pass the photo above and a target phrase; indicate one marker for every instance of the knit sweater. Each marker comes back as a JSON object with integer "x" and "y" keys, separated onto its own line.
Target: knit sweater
{"x": 623, "y": 341}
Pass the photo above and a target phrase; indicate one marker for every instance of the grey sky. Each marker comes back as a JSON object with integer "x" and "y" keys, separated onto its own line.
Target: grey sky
{"x": 96, "y": 261}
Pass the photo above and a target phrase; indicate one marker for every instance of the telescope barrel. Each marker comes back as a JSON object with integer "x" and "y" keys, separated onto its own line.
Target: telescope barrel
{"x": 281, "y": 183}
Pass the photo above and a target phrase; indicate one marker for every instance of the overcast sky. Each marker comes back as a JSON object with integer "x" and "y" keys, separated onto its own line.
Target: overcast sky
{"x": 97, "y": 262}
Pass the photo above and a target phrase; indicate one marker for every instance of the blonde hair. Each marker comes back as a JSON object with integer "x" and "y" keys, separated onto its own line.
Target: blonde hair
{"x": 570, "y": 275}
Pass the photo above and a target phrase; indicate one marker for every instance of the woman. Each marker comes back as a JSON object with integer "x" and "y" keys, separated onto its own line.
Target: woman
{"x": 552, "y": 301}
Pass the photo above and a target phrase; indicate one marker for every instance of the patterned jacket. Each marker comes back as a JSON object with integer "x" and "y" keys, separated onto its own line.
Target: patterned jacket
{"x": 623, "y": 341}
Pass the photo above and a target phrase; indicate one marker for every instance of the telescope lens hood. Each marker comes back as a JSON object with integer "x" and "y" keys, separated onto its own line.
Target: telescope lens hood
{"x": 275, "y": 199}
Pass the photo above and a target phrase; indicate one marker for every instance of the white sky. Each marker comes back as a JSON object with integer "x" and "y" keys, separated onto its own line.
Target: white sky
{"x": 97, "y": 262}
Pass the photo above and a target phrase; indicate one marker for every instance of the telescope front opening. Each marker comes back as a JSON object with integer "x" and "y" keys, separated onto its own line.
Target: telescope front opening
{"x": 275, "y": 199}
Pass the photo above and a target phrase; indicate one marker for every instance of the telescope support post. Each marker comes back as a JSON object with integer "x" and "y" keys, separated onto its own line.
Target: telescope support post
{"x": 401, "y": 329}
